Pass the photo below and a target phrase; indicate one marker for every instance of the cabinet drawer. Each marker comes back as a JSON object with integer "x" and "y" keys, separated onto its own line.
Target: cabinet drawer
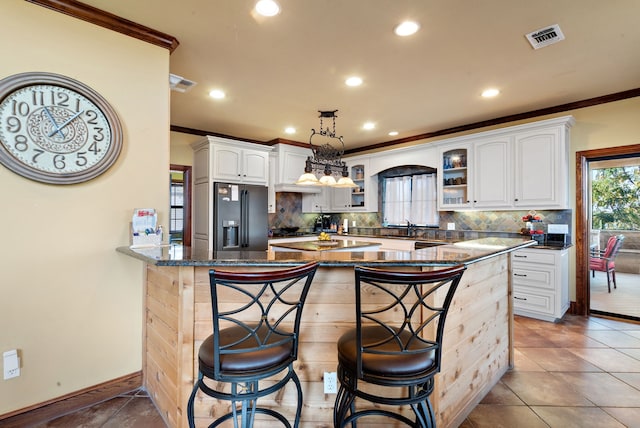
{"x": 545, "y": 257}
{"x": 543, "y": 303}
{"x": 538, "y": 278}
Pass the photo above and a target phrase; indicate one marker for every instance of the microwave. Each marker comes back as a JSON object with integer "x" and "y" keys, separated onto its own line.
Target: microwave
{"x": 556, "y": 239}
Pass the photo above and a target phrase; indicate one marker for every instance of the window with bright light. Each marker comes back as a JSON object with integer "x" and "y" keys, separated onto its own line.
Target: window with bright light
{"x": 410, "y": 199}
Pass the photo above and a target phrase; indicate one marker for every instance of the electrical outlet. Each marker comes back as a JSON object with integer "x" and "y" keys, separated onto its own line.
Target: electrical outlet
{"x": 451, "y": 226}
{"x": 11, "y": 364}
{"x": 330, "y": 383}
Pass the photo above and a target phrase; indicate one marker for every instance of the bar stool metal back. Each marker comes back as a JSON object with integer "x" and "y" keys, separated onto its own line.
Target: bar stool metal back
{"x": 255, "y": 337}
{"x": 392, "y": 355}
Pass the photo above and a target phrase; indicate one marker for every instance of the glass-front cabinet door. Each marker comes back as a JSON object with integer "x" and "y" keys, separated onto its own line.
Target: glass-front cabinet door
{"x": 358, "y": 197}
{"x": 454, "y": 180}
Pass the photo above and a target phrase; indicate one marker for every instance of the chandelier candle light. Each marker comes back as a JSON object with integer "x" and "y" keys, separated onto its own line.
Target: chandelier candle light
{"x": 326, "y": 158}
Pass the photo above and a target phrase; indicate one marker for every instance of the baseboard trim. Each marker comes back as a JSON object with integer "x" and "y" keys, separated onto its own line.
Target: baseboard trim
{"x": 42, "y": 412}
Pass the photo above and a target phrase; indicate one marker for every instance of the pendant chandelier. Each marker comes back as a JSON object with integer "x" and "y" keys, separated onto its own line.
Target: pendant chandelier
{"x": 327, "y": 158}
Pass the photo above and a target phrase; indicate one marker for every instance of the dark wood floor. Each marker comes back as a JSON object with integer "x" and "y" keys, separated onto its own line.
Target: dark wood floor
{"x": 132, "y": 410}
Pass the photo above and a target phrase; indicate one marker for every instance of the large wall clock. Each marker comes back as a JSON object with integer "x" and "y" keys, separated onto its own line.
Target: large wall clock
{"x": 55, "y": 129}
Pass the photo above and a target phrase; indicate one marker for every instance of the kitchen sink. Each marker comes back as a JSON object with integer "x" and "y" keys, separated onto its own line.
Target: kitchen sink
{"x": 426, "y": 244}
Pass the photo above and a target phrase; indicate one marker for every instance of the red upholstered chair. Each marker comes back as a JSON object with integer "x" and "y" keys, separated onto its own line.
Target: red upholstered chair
{"x": 604, "y": 261}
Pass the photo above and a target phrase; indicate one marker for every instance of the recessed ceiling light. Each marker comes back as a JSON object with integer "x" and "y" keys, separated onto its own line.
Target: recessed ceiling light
{"x": 406, "y": 28}
{"x": 353, "y": 81}
{"x": 267, "y": 8}
{"x": 218, "y": 94}
{"x": 369, "y": 125}
{"x": 393, "y": 133}
{"x": 490, "y": 93}
{"x": 290, "y": 130}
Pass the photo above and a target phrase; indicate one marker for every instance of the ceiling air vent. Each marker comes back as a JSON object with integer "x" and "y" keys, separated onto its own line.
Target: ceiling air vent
{"x": 179, "y": 83}
{"x": 545, "y": 36}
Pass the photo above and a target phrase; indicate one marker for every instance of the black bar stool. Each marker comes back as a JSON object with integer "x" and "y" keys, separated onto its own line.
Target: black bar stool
{"x": 256, "y": 324}
{"x": 392, "y": 355}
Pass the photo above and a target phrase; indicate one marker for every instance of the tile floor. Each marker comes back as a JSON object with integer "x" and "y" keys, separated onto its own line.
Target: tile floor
{"x": 580, "y": 372}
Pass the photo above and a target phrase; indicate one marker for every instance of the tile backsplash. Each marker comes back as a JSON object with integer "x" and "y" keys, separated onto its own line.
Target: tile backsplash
{"x": 289, "y": 213}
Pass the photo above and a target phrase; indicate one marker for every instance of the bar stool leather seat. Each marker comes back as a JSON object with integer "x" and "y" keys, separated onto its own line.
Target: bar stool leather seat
{"x": 254, "y": 360}
{"x": 384, "y": 364}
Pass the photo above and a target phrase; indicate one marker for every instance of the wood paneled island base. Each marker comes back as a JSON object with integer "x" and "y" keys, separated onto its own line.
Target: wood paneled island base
{"x": 477, "y": 349}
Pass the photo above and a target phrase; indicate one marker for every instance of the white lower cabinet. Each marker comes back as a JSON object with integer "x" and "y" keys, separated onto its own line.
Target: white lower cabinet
{"x": 540, "y": 280}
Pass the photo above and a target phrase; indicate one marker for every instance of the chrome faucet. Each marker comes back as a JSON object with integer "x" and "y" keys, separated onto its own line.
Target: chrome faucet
{"x": 411, "y": 228}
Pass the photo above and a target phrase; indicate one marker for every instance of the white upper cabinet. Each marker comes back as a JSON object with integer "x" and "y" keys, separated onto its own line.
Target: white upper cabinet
{"x": 492, "y": 173}
{"x": 520, "y": 167}
{"x": 231, "y": 161}
{"x": 540, "y": 168}
{"x": 240, "y": 163}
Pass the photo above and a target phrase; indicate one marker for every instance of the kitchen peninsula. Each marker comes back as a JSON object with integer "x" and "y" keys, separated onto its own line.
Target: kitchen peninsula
{"x": 477, "y": 351}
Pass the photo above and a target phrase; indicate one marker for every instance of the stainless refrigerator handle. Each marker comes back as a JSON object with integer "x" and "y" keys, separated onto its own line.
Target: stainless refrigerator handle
{"x": 244, "y": 226}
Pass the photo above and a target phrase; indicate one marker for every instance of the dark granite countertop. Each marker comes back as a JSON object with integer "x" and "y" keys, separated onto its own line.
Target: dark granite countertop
{"x": 465, "y": 252}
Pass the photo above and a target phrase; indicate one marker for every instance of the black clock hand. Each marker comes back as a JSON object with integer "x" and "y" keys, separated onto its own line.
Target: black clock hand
{"x": 66, "y": 122}
{"x": 54, "y": 123}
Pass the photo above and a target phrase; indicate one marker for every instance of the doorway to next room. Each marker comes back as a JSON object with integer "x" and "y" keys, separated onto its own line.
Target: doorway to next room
{"x": 180, "y": 205}
{"x": 608, "y": 232}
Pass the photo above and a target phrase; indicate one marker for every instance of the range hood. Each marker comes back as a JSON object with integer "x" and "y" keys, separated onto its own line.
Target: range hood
{"x": 294, "y": 188}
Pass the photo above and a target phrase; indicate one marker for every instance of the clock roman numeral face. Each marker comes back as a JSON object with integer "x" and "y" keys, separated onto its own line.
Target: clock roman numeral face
{"x": 56, "y": 130}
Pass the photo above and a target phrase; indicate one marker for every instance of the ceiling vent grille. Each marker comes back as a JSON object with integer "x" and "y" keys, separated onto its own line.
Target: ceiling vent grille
{"x": 180, "y": 84}
{"x": 545, "y": 36}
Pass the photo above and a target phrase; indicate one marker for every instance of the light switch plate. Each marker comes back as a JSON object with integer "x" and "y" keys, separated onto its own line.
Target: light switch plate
{"x": 451, "y": 226}
{"x": 11, "y": 364}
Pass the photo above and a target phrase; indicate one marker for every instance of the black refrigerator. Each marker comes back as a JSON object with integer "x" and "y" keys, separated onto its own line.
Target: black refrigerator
{"x": 240, "y": 218}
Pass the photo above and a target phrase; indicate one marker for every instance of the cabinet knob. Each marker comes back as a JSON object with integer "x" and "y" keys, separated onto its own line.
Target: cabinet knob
{"x": 516, "y": 199}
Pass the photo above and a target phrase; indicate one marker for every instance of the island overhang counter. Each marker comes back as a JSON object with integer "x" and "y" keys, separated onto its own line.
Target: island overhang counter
{"x": 477, "y": 349}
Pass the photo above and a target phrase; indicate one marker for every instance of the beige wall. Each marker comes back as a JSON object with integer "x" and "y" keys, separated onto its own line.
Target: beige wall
{"x": 69, "y": 302}
{"x": 181, "y": 152}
